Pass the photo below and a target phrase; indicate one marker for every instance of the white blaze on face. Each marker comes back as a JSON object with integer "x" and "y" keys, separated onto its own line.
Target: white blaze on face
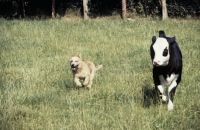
{"x": 161, "y": 49}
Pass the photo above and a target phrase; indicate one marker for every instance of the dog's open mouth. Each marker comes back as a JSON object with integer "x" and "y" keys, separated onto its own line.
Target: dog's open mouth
{"x": 73, "y": 67}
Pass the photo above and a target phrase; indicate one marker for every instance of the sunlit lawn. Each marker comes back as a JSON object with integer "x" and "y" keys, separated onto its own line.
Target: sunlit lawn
{"x": 37, "y": 89}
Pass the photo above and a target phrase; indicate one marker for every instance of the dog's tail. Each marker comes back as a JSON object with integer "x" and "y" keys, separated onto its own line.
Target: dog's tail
{"x": 99, "y": 67}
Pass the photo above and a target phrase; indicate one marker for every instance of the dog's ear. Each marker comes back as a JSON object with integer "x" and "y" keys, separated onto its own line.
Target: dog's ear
{"x": 72, "y": 55}
{"x": 79, "y": 55}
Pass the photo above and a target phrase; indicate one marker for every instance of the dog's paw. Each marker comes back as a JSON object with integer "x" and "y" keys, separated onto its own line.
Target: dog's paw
{"x": 89, "y": 86}
{"x": 85, "y": 83}
{"x": 79, "y": 84}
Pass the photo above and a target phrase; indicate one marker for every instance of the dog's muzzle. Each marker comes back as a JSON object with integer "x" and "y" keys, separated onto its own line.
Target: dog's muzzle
{"x": 74, "y": 67}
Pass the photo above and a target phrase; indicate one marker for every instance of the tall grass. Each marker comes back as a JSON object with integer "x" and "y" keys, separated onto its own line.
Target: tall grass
{"x": 37, "y": 89}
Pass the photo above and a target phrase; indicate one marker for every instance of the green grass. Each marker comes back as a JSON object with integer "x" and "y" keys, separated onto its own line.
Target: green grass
{"x": 37, "y": 89}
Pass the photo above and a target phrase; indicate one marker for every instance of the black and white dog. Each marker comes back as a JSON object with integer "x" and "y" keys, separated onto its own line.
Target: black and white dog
{"x": 167, "y": 65}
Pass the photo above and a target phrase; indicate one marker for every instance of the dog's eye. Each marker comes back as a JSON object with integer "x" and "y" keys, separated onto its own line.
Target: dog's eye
{"x": 76, "y": 61}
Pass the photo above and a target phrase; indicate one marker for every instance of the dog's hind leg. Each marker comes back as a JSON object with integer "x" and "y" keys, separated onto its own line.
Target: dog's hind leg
{"x": 89, "y": 84}
{"x": 86, "y": 81}
{"x": 91, "y": 80}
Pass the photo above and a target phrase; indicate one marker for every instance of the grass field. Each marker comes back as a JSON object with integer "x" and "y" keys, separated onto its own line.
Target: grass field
{"x": 37, "y": 90}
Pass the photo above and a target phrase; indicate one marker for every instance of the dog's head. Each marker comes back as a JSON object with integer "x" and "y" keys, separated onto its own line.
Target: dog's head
{"x": 75, "y": 62}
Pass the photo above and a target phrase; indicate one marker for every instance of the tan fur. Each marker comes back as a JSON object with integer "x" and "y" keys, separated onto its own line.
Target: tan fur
{"x": 83, "y": 70}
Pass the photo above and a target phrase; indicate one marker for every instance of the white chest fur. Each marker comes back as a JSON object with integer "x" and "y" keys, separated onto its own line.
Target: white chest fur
{"x": 169, "y": 79}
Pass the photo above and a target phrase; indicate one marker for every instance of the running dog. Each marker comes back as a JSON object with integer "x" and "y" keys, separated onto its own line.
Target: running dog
{"x": 83, "y": 70}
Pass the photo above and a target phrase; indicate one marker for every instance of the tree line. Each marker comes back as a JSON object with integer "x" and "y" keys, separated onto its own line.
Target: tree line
{"x": 52, "y": 8}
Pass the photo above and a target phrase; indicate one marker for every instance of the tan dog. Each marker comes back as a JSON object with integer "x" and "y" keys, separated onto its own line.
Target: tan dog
{"x": 83, "y": 70}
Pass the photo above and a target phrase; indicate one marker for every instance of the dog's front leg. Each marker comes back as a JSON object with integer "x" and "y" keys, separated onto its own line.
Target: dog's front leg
{"x": 86, "y": 81}
{"x": 77, "y": 81}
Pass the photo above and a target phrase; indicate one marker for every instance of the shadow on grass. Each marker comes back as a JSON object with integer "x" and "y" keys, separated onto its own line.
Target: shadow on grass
{"x": 150, "y": 96}
{"x": 72, "y": 86}
{"x": 69, "y": 85}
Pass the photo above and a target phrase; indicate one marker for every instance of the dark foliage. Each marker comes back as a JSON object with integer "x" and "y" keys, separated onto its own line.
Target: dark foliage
{"x": 42, "y": 9}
